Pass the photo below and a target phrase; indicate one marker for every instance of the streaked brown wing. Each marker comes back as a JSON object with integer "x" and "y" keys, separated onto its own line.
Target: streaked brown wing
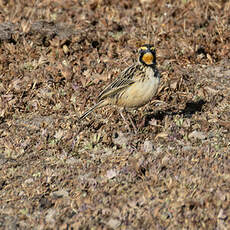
{"x": 125, "y": 79}
{"x": 113, "y": 91}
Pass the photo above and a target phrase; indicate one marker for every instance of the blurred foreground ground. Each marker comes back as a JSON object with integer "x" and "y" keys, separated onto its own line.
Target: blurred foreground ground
{"x": 57, "y": 173}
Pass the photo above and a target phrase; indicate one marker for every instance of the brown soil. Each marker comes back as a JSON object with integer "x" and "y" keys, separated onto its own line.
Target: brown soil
{"x": 58, "y": 173}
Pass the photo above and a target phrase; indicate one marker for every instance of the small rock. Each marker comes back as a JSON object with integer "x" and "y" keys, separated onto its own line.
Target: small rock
{"x": 59, "y": 134}
{"x": 60, "y": 193}
{"x": 21, "y": 193}
{"x": 148, "y": 146}
{"x": 50, "y": 217}
{"x": 71, "y": 160}
{"x": 29, "y": 181}
{"x": 188, "y": 148}
{"x": 120, "y": 139}
{"x": 2, "y": 159}
{"x": 111, "y": 173}
{"x": 197, "y": 135}
{"x": 165, "y": 160}
{"x": 114, "y": 223}
{"x": 221, "y": 215}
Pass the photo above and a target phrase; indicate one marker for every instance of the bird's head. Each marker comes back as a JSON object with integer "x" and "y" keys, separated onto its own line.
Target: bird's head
{"x": 147, "y": 55}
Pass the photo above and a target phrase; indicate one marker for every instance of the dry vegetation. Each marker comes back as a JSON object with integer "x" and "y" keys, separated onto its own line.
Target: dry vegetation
{"x": 55, "y": 57}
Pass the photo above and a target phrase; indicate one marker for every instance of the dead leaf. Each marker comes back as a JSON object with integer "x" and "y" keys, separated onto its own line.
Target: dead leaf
{"x": 161, "y": 135}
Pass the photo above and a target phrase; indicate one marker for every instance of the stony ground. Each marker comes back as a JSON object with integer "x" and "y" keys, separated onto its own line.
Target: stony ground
{"x": 58, "y": 173}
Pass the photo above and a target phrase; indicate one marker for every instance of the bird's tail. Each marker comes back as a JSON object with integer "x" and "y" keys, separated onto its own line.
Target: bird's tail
{"x": 98, "y": 105}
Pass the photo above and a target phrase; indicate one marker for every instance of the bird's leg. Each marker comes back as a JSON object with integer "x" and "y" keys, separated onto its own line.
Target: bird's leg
{"x": 125, "y": 120}
{"x": 142, "y": 123}
{"x": 130, "y": 120}
{"x": 132, "y": 123}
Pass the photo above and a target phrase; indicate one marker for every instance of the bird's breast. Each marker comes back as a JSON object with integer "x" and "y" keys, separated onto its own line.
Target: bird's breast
{"x": 140, "y": 92}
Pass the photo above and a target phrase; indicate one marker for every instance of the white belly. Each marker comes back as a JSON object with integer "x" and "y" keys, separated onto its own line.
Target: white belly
{"x": 140, "y": 93}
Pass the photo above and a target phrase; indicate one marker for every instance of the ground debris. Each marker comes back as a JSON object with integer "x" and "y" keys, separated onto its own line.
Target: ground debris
{"x": 59, "y": 173}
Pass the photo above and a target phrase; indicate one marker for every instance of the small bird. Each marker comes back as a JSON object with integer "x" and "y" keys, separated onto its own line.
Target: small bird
{"x": 135, "y": 86}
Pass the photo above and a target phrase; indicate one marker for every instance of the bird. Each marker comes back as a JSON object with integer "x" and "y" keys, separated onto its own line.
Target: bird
{"x": 135, "y": 86}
